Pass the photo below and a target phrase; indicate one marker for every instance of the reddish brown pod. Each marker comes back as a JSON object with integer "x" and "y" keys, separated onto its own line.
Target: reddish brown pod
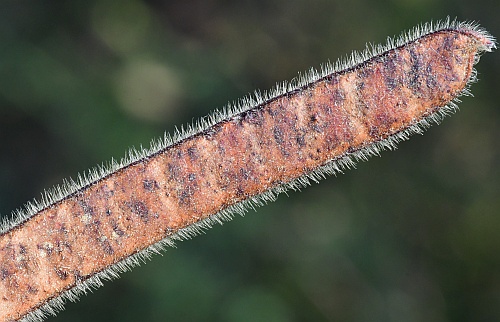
{"x": 242, "y": 157}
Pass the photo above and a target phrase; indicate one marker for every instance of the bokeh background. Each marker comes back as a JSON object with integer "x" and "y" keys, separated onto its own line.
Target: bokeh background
{"x": 411, "y": 236}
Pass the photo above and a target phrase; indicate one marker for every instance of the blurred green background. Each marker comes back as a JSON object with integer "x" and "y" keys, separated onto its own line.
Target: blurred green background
{"x": 411, "y": 236}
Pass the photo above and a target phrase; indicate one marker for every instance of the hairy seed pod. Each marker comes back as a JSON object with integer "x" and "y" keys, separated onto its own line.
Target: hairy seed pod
{"x": 235, "y": 159}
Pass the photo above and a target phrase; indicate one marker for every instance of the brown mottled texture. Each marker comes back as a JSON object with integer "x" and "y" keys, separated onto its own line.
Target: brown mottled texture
{"x": 243, "y": 156}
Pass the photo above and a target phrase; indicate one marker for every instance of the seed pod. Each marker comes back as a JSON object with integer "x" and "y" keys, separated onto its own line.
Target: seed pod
{"x": 116, "y": 216}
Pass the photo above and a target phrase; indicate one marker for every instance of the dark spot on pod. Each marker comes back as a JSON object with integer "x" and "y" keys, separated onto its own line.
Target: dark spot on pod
{"x": 431, "y": 81}
{"x": 301, "y": 141}
{"x": 192, "y": 153}
{"x": 364, "y": 72}
{"x": 278, "y": 135}
{"x": 185, "y": 197}
{"x": 150, "y": 185}
{"x": 211, "y": 131}
{"x": 68, "y": 246}
{"x": 338, "y": 97}
{"x": 106, "y": 246}
{"x": 139, "y": 208}
{"x": 390, "y": 73}
{"x": 273, "y": 111}
{"x": 348, "y": 136}
{"x": 351, "y": 149}
{"x": 78, "y": 276}
{"x": 360, "y": 85}
{"x": 173, "y": 171}
{"x": 313, "y": 124}
{"x": 374, "y": 131}
{"x": 390, "y": 83}
{"x": 240, "y": 192}
{"x": 63, "y": 229}
{"x": 333, "y": 79}
{"x": 252, "y": 117}
{"x": 415, "y": 72}
{"x": 325, "y": 108}
{"x": 63, "y": 275}
{"x": 32, "y": 289}
{"x": 280, "y": 139}
{"x": 117, "y": 229}
{"x": 4, "y": 273}
{"x": 191, "y": 176}
{"x": 389, "y": 64}
{"x": 221, "y": 149}
{"x": 312, "y": 156}
{"x": 48, "y": 248}
{"x": 87, "y": 209}
{"x": 244, "y": 174}
{"x": 449, "y": 43}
